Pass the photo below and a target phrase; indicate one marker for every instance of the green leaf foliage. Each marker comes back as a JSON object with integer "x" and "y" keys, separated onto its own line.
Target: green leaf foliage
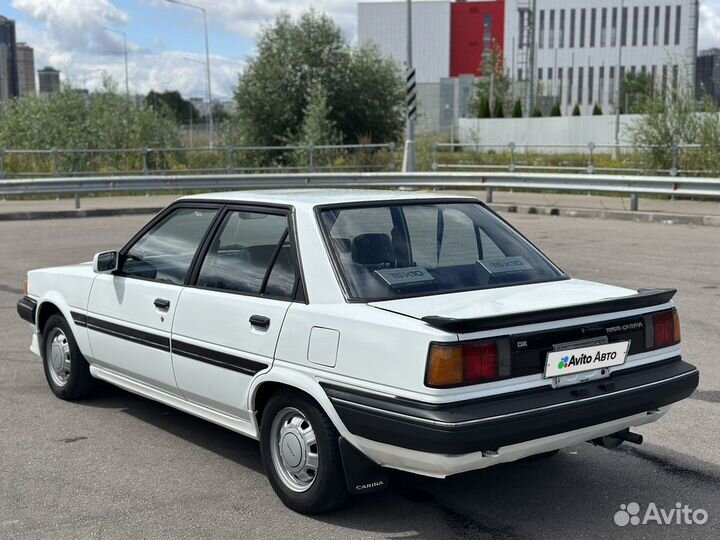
{"x": 364, "y": 92}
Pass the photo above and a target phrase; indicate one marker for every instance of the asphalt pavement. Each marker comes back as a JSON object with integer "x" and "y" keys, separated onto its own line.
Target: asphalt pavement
{"x": 120, "y": 466}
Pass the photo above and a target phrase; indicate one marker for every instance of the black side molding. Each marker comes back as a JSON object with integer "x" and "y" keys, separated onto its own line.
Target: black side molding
{"x": 643, "y": 299}
{"x": 26, "y": 308}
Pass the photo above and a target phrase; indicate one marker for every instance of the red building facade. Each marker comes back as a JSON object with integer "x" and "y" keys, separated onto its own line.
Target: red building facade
{"x": 476, "y": 27}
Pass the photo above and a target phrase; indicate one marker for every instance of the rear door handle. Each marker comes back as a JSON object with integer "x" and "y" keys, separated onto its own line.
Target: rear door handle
{"x": 260, "y": 321}
{"x": 161, "y": 303}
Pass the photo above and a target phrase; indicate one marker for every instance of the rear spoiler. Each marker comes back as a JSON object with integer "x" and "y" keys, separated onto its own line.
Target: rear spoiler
{"x": 643, "y": 299}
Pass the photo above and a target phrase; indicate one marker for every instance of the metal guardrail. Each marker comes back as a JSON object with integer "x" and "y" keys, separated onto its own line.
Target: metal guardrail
{"x": 510, "y": 157}
{"x": 62, "y": 162}
{"x": 619, "y": 184}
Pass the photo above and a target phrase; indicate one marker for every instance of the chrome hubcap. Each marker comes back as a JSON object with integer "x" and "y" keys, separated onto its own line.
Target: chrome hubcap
{"x": 294, "y": 449}
{"x": 58, "y": 357}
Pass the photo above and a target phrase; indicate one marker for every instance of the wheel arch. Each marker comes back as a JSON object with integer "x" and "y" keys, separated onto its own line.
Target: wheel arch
{"x": 283, "y": 378}
{"x": 53, "y": 302}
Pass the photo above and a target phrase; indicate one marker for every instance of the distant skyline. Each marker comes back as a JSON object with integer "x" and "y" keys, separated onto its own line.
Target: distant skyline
{"x": 68, "y": 35}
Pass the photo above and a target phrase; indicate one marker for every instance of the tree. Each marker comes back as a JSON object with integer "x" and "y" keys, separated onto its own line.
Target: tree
{"x": 365, "y": 91}
{"x": 597, "y": 110}
{"x": 635, "y": 90}
{"x": 68, "y": 120}
{"x": 556, "y": 111}
{"x": 537, "y": 113}
{"x": 677, "y": 119}
{"x": 499, "y": 111}
{"x": 182, "y": 109}
{"x": 493, "y": 85}
{"x": 484, "y": 109}
{"x": 576, "y": 110}
{"x": 318, "y": 129}
{"x": 517, "y": 111}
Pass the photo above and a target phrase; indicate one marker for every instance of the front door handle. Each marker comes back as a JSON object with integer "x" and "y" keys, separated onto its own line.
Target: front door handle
{"x": 162, "y": 304}
{"x": 260, "y": 321}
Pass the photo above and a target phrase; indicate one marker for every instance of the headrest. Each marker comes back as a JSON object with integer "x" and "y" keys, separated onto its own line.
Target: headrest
{"x": 372, "y": 248}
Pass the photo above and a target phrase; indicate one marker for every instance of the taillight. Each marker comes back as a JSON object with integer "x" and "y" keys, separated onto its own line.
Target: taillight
{"x": 481, "y": 362}
{"x": 467, "y": 363}
{"x": 666, "y": 329}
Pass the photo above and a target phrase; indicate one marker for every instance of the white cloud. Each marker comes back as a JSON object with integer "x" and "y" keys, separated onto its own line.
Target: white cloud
{"x": 74, "y": 42}
{"x": 709, "y": 30}
{"x": 77, "y": 25}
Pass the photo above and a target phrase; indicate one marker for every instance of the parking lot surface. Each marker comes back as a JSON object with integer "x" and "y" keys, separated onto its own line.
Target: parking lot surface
{"x": 120, "y": 466}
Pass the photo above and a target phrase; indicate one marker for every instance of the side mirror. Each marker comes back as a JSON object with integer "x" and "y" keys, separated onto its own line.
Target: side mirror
{"x": 105, "y": 262}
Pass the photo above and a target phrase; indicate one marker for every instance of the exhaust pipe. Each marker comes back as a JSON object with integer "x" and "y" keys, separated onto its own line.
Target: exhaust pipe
{"x": 616, "y": 439}
{"x": 629, "y": 436}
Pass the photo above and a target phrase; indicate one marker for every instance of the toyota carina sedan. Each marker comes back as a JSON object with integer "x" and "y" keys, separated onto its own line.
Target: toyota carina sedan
{"x": 355, "y": 331}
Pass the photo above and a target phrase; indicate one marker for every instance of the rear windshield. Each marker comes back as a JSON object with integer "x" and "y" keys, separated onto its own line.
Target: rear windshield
{"x": 404, "y": 250}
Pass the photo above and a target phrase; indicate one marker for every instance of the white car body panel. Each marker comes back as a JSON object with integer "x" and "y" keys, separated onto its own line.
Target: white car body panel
{"x": 379, "y": 347}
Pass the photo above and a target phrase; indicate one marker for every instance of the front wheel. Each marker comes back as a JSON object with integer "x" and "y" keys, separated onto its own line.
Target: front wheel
{"x": 300, "y": 453}
{"x": 66, "y": 370}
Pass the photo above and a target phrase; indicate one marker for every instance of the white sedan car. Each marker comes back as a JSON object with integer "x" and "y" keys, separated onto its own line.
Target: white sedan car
{"x": 354, "y": 331}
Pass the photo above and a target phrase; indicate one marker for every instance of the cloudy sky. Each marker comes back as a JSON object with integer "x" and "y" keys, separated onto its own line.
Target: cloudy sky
{"x": 165, "y": 41}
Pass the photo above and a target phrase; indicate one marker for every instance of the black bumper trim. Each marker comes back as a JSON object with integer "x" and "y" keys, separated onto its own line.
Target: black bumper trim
{"x": 503, "y": 420}
{"x": 26, "y": 308}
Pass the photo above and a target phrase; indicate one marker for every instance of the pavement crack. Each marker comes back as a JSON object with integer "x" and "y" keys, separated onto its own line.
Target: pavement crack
{"x": 73, "y": 439}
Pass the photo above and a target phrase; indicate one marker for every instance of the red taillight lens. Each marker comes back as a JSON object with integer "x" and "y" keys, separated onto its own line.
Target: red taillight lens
{"x": 467, "y": 363}
{"x": 481, "y": 362}
{"x": 667, "y": 328}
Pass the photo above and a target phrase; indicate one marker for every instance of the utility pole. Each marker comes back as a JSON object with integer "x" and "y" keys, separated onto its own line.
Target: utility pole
{"x": 409, "y": 163}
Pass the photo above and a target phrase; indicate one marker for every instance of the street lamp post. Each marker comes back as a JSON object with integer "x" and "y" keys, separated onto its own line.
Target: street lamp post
{"x": 127, "y": 80}
{"x": 207, "y": 61}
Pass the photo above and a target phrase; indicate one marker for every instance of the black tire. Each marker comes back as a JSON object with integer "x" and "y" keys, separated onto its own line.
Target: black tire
{"x": 328, "y": 489}
{"x": 78, "y": 381}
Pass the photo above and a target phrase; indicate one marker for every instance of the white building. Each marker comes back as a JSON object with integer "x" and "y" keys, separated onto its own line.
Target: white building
{"x": 384, "y": 24}
{"x": 578, "y": 44}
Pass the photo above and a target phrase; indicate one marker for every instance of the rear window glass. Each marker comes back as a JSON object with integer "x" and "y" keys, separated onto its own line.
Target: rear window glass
{"x": 404, "y": 250}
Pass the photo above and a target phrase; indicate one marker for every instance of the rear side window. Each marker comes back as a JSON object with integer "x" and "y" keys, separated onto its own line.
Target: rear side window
{"x": 250, "y": 254}
{"x": 166, "y": 251}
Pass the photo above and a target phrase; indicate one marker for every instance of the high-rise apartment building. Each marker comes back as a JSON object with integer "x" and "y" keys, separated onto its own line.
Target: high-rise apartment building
{"x": 26, "y": 70}
{"x": 9, "y": 84}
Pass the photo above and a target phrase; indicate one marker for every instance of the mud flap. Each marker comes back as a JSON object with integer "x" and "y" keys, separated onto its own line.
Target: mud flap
{"x": 362, "y": 475}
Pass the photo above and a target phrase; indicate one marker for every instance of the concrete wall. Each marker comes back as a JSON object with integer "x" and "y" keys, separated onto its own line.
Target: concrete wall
{"x": 577, "y": 130}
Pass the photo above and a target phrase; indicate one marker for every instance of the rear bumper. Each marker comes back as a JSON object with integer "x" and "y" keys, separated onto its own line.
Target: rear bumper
{"x": 26, "y": 308}
{"x": 492, "y": 423}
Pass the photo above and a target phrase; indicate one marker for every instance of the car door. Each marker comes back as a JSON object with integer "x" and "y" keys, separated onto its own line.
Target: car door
{"x": 228, "y": 320}
{"x": 130, "y": 312}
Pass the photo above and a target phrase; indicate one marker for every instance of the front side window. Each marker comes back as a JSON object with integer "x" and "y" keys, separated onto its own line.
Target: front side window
{"x": 250, "y": 254}
{"x": 406, "y": 250}
{"x": 165, "y": 252}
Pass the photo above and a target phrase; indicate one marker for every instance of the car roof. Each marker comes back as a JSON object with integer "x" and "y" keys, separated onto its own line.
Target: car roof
{"x": 311, "y": 197}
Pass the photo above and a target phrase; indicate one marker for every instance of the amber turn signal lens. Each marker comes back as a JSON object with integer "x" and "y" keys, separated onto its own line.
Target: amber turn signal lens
{"x": 445, "y": 365}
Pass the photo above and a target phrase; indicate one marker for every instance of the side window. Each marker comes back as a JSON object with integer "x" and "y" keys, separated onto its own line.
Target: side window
{"x": 248, "y": 247}
{"x": 166, "y": 251}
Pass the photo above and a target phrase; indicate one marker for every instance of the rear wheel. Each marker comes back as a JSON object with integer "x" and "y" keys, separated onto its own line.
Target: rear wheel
{"x": 66, "y": 370}
{"x": 300, "y": 452}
